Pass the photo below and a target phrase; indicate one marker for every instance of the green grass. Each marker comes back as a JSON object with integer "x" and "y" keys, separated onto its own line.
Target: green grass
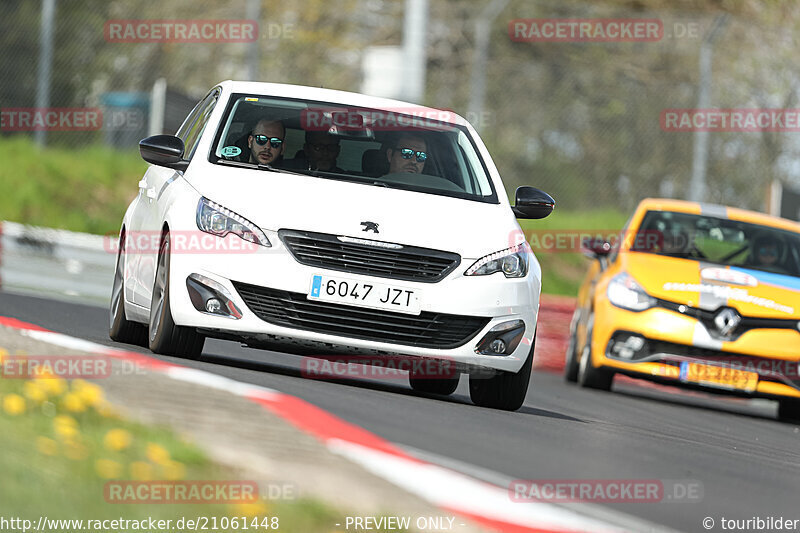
{"x": 82, "y": 189}
{"x": 52, "y": 473}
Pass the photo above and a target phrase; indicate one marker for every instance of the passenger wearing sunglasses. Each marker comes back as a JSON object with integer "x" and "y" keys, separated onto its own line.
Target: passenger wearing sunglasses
{"x": 408, "y": 155}
{"x": 266, "y": 142}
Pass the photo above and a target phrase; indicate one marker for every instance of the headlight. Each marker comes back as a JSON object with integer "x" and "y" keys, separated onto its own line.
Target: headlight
{"x": 512, "y": 262}
{"x": 216, "y": 220}
{"x": 624, "y": 292}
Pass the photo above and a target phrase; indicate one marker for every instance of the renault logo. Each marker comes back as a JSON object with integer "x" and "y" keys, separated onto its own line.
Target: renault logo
{"x": 726, "y": 321}
{"x": 370, "y": 226}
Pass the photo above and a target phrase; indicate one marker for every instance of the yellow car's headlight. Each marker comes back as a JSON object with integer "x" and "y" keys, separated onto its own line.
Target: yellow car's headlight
{"x": 623, "y": 291}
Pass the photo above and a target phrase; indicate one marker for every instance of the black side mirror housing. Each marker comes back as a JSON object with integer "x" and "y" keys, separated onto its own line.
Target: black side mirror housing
{"x": 596, "y": 248}
{"x": 533, "y": 203}
{"x": 164, "y": 150}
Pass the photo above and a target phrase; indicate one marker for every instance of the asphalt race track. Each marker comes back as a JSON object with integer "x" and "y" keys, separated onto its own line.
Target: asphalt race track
{"x": 748, "y": 463}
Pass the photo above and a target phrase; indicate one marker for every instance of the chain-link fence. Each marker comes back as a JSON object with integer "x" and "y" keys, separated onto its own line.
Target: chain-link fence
{"x": 580, "y": 117}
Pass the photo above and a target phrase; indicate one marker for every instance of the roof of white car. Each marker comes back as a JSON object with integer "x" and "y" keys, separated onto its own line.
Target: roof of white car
{"x": 341, "y": 97}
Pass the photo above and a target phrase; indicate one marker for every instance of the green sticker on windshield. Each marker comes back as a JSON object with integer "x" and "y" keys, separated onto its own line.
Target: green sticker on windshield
{"x": 231, "y": 151}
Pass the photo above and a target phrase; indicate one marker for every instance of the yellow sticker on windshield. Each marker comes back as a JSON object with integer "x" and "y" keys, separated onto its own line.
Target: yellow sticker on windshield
{"x": 251, "y": 99}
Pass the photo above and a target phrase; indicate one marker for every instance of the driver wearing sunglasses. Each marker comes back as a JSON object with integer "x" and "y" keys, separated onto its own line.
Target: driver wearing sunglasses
{"x": 408, "y": 155}
{"x": 266, "y": 142}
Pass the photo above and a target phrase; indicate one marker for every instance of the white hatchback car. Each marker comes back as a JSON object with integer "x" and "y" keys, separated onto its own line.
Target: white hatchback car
{"x": 322, "y": 222}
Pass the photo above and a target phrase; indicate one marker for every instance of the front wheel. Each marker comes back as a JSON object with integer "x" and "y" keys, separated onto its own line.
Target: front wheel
{"x": 165, "y": 337}
{"x": 120, "y": 328}
{"x": 590, "y": 376}
{"x": 504, "y": 390}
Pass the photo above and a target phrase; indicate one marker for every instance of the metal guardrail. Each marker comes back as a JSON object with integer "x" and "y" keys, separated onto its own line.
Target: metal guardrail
{"x": 56, "y": 263}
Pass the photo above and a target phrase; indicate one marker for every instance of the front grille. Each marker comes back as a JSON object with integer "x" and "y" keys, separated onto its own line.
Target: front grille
{"x": 294, "y": 310}
{"x": 407, "y": 263}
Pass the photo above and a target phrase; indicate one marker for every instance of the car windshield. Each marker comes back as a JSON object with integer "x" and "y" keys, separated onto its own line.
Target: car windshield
{"x": 719, "y": 240}
{"x": 402, "y": 148}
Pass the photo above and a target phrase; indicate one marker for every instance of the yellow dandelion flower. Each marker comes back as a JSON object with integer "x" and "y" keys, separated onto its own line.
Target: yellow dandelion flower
{"x": 73, "y": 403}
{"x": 54, "y": 386}
{"x": 173, "y": 470}
{"x": 46, "y": 446}
{"x": 108, "y": 469}
{"x": 141, "y": 471}
{"x": 117, "y": 439}
{"x": 13, "y": 404}
{"x": 157, "y": 454}
{"x": 65, "y": 426}
{"x": 34, "y": 391}
{"x": 89, "y": 393}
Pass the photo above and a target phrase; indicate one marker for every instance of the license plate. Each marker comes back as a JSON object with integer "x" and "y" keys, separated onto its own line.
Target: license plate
{"x": 364, "y": 294}
{"x": 718, "y": 376}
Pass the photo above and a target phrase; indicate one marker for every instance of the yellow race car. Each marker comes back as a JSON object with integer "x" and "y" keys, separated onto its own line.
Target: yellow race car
{"x": 697, "y": 295}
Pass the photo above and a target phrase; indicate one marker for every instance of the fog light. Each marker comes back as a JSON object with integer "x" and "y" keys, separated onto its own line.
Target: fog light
{"x": 628, "y": 347}
{"x": 502, "y": 339}
{"x": 211, "y": 297}
{"x": 213, "y": 305}
{"x": 498, "y": 346}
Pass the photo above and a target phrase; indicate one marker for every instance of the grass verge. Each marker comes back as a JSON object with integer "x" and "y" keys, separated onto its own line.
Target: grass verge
{"x": 63, "y": 442}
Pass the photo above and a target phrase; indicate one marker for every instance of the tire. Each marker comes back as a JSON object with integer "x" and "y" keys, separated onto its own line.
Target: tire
{"x": 121, "y": 329}
{"x": 789, "y": 409}
{"x": 442, "y": 386}
{"x": 590, "y": 376}
{"x": 165, "y": 337}
{"x": 504, "y": 390}
{"x": 571, "y": 360}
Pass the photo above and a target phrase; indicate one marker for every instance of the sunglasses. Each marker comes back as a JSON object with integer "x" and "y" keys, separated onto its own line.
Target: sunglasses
{"x": 408, "y": 153}
{"x": 261, "y": 140}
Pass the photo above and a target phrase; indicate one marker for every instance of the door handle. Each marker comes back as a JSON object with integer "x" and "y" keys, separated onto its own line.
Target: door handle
{"x": 143, "y": 183}
{"x": 151, "y": 193}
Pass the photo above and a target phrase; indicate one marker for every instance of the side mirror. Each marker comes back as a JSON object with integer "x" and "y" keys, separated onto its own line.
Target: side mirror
{"x": 596, "y": 248}
{"x": 164, "y": 150}
{"x": 533, "y": 203}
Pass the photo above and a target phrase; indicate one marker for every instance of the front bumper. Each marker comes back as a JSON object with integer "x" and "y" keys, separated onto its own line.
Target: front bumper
{"x": 672, "y": 338}
{"x": 494, "y": 298}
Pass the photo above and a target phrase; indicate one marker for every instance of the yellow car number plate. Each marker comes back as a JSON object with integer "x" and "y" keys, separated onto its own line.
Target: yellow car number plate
{"x": 718, "y": 376}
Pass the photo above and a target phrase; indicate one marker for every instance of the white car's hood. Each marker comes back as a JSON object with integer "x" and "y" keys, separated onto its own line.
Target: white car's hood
{"x": 277, "y": 201}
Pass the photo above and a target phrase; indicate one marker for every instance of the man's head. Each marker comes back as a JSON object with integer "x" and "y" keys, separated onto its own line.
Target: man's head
{"x": 266, "y": 141}
{"x": 767, "y": 250}
{"x": 321, "y": 150}
{"x": 408, "y": 154}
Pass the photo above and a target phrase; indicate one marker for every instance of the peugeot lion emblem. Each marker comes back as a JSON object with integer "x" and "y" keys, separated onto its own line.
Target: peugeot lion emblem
{"x": 370, "y": 226}
{"x": 726, "y": 321}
